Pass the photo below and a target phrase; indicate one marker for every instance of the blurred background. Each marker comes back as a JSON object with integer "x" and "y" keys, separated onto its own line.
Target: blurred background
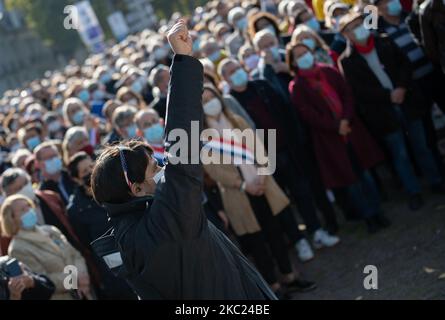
{"x": 33, "y": 39}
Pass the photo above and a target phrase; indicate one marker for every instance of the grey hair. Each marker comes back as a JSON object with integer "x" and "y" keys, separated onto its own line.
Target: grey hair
{"x": 74, "y": 134}
{"x": 18, "y": 154}
{"x": 69, "y": 102}
{"x": 259, "y": 35}
{"x": 233, "y": 13}
{"x": 122, "y": 113}
{"x": 222, "y": 65}
{"x": 11, "y": 175}
{"x": 140, "y": 113}
{"x": 153, "y": 79}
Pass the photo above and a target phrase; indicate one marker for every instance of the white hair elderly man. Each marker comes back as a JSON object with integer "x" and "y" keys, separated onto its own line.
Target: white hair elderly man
{"x": 53, "y": 177}
{"x": 159, "y": 79}
{"x": 19, "y": 157}
{"x": 123, "y": 122}
{"x": 271, "y": 66}
{"x": 266, "y": 44}
{"x": 237, "y": 19}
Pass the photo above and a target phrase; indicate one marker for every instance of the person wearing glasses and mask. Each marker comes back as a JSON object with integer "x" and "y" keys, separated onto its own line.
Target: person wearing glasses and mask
{"x": 169, "y": 249}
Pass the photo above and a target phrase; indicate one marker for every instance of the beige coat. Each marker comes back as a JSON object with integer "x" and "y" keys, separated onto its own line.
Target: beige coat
{"x": 236, "y": 203}
{"x": 39, "y": 251}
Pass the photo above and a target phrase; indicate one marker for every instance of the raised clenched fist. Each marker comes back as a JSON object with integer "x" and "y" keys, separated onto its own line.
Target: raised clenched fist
{"x": 179, "y": 39}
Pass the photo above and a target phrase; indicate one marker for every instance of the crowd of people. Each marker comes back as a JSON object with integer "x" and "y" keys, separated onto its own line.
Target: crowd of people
{"x": 344, "y": 99}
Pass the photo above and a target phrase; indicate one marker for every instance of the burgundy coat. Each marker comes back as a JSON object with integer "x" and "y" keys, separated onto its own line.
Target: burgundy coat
{"x": 330, "y": 148}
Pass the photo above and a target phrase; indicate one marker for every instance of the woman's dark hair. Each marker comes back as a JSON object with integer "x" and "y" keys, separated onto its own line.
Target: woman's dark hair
{"x": 252, "y": 28}
{"x": 74, "y": 163}
{"x": 108, "y": 181}
{"x": 34, "y": 126}
{"x": 298, "y": 14}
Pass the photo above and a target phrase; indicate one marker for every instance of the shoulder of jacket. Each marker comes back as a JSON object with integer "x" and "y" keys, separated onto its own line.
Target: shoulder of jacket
{"x": 52, "y": 230}
{"x": 241, "y": 122}
{"x": 19, "y": 247}
{"x": 425, "y": 6}
{"x": 346, "y": 54}
{"x": 260, "y": 83}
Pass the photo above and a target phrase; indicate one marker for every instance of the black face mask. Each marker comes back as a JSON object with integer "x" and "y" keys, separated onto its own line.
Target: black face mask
{"x": 87, "y": 181}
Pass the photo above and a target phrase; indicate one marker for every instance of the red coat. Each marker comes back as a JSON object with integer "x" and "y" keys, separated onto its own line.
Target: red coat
{"x": 330, "y": 148}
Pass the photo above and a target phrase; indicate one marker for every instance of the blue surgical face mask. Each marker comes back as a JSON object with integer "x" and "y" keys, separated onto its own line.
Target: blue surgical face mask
{"x": 33, "y": 142}
{"x": 53, "y": 166}
{"x": 154, "y": 134}
{"x": 336, "y": 23}
{"x": 196, "y": 45}
{"x": 306, "y": 61}
{"x": 239, "y": 78}
{"x": 271, "y": 28}
{"x": 215, "y": 56}
{"x": 160, "y": 53}
{"x": 313, "y": 24}
{"x": 99, "y": 95}
{"x": 132, "y": 131}
{"x": 394, "y": 8}
{"x": 54, "y": 126}
{"x": 251, "y": 61}
{"x": 310, "y": 43}
{"x": 84, "y": 95}
{"x": 29, "y": 219}
{"x": 105, "y": 78}
{"x": 275, "y": 53}
{"x": 78, "y": 118}
{"x": 241, "y": 24}
{"x": 137, "y": 87}
{"x": 361, "y": 33}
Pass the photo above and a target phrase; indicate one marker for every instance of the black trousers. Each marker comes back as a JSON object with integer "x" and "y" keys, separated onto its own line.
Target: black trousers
{"x": 310, "y": 164}
{"x": 290, "y": 177}
{"x": 432, "y": 87}
{"x": 268, "y": 245}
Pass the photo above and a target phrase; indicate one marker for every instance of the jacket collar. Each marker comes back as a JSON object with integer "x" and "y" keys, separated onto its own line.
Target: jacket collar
{"x": 134, "y": 206}
{"x": 39, "y": 237}
{"x": 352, "y": 51}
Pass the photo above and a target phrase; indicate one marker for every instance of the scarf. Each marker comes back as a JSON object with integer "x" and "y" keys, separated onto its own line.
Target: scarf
{"x": 229, "y": 144}
{"x": 318, "y": 82}
{"x": 367, "y": 48}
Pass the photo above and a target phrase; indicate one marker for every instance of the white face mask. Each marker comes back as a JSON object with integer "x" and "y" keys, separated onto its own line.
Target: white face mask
{"x": 28, "y": 191}
{"x": 213, "y": 108}
{"x": 160, "y": 176}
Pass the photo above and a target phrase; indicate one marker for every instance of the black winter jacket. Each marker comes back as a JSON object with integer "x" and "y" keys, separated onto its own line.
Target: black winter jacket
{"x": 373, "y": 100}
{"x": 168, "y": 247}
